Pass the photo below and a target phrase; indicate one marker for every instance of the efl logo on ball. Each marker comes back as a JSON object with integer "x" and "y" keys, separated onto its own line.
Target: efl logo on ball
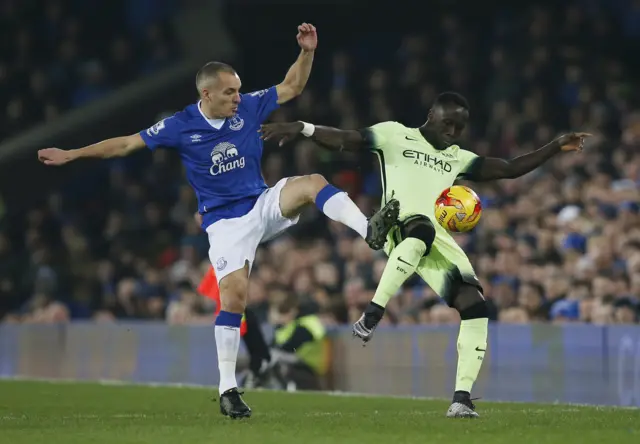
{"x": 458, "y": 209}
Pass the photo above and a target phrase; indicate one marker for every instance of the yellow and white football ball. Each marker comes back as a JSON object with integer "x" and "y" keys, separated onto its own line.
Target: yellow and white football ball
{"x": 458, "y": 209}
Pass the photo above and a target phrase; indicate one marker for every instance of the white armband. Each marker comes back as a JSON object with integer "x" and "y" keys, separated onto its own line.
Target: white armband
{"x": 307, "y": 129}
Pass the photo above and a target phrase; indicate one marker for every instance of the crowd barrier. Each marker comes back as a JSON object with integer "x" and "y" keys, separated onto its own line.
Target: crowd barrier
{"x": 536, "y": 363}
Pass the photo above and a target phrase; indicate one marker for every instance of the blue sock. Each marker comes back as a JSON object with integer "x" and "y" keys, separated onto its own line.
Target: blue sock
{"x": 227, "y": 319}
{"x": 337, "y": 205}
{"x": 325, "y": 194}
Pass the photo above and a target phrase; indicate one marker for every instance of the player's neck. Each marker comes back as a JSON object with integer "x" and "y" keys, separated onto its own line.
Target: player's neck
{"x": 431, "y": 137}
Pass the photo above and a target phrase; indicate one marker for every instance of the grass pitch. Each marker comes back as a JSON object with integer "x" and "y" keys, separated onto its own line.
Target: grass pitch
{"x": 83, "y": 413}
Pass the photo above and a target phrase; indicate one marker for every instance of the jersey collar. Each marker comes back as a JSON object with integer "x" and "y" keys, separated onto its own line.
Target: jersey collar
{"x": 215, "y": 123}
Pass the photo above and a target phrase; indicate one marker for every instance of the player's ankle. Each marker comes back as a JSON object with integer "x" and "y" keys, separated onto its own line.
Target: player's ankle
{"x": 373, "y": 307}
{"x": 461, "y": 395}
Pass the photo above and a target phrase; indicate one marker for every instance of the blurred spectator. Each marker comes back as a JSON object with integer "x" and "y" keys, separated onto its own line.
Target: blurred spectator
{"x": 188, "y": 307}
{"x": 560, "y": 245}
{"x": 59, "y": 54}
{"x": 298, "y": 344}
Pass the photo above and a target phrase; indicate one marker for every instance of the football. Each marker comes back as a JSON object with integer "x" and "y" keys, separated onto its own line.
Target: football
{"x": 458, "y": 209}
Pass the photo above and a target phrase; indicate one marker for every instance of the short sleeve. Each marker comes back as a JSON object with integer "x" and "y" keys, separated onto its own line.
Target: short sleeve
{"x": 469, "y": 164}
{"x": 165, "y": 133}
{"x": 261, "y": 103}
{"x": 376, "y": 137}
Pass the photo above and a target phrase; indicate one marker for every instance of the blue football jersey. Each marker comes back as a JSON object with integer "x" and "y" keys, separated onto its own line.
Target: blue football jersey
{"x": 221, "y": 157}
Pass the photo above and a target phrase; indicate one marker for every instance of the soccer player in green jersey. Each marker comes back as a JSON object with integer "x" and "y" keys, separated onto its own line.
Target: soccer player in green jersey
{"x": 417, "y": 164}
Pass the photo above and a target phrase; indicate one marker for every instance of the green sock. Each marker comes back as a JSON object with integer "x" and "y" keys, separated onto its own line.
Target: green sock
{"x": 401, "y": 265}
{"x": 472, "y": 344}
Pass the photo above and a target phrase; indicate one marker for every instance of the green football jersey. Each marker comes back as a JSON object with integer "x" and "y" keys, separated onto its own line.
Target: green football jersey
{"x": 412, "y": 170}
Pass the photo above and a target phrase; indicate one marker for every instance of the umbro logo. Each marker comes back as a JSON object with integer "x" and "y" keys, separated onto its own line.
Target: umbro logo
{"x": 195, "y": 138}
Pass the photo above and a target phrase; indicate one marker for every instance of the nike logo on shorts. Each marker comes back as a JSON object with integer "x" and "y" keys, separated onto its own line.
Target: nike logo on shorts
{"x": 409, "y": 138}
{"x": 478, "y": 349}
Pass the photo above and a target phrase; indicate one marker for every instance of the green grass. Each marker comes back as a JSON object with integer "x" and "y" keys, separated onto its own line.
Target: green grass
{"x": 84, "y": 413}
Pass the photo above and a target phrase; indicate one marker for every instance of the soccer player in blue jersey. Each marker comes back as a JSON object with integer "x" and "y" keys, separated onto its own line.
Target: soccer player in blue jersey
{"x": 221, "y": 149}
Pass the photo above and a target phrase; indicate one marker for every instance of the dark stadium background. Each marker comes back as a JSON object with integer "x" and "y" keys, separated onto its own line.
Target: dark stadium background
{"x": 602, "y": 46}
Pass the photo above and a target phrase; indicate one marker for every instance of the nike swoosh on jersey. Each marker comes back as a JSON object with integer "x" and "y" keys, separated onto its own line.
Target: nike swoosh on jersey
{"x": 478, "y": 349}
{"x": 409, "y": 138}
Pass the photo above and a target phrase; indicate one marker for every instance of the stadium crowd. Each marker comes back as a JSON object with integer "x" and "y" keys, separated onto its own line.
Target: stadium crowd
{"x": 561, "y": 244}
{"x": 62, "y": 54}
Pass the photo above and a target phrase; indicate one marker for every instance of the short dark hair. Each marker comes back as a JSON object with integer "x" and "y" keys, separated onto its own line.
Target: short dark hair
{"x": 212, "y": 69}
{"x": 452, "y": 98}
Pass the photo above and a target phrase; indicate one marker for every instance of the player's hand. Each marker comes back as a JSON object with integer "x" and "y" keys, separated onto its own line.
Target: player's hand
{"x": 280, "y": 132}
{"x": 307, "y": 37}
{"x": 572, "y": 141}
{"x": 54, "y": 156}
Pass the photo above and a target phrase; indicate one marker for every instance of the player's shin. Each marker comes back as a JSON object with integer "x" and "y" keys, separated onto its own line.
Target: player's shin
{"x": 402, "y": 263}
{"x": 472, "y": 345}
{"x": 337, "y": 205}
{"x": 227, "y": 332}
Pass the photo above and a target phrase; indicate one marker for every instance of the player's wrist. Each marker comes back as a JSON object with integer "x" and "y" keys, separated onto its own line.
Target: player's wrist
{"x": 73, "y": 154}
{"x": 307, "y": 129}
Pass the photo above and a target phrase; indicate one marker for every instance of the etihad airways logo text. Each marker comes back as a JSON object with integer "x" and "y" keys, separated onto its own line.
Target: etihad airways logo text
{"x": 225, "y": 158}
{"x": 428, "y": 160}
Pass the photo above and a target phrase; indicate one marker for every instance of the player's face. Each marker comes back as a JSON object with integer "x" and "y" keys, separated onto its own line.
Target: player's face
{"x": 223, "y": 95}
{"x": 448, "y": 122}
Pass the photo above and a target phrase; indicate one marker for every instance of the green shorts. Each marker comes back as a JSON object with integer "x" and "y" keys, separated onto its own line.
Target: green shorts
{"x": 446, "y": 266}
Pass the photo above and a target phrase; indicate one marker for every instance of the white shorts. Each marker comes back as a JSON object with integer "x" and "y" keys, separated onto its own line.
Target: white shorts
{"x": 233, "y": 242}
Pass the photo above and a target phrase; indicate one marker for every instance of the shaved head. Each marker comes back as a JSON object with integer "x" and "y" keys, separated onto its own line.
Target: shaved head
{"x": 219, "y": 87}
{"x": 210, "y": 72}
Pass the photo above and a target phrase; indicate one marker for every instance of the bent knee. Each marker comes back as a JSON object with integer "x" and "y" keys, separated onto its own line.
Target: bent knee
{"x": 315, "y": 182}
{"x": 468, "y": 300}
{"x": 303, "y": 190}
{"x": 309, "y": 186}
{"x": 477, "y": 310}
{"x": 423, "y": 230}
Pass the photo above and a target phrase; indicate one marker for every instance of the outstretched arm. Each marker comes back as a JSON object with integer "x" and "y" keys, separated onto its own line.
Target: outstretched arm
{"x": 116, "y": 147}
{"x": 336, "y": 139}
{"x": 298, "y": 75}
{"x": 326, "y": 136}
{"x": 491, "y": 168}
